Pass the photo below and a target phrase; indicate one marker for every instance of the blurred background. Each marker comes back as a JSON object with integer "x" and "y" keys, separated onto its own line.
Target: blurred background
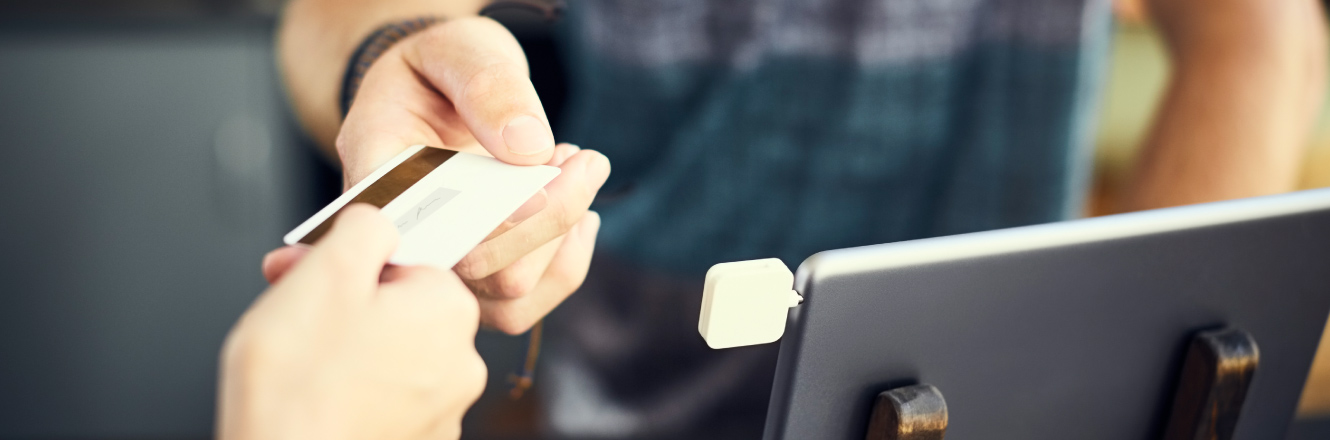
{"x": 151, "y": 160}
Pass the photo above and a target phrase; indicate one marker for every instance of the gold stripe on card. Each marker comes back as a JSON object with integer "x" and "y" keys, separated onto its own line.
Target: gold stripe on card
{"x": 391, "y": 185}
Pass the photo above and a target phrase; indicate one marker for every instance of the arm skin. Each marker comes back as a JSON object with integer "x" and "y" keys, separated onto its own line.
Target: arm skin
{"x": 1248, "y": 78}
{"x": 315, "y": 41}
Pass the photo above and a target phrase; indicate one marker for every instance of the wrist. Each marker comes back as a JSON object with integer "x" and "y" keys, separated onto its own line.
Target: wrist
{"x": 315, "y": 39}
{"x": 374, "y": 45}
{"x": 371, "y": 49}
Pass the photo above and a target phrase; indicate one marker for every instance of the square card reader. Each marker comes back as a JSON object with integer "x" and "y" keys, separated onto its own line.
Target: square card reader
{"x": 746, "y": 303}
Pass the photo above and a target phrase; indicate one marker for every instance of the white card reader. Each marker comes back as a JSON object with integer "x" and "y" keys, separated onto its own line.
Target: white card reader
{"x": 746, "y": 303}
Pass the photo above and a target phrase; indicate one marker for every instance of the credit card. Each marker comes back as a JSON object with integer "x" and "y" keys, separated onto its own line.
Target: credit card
{"x": 443, "y": 202}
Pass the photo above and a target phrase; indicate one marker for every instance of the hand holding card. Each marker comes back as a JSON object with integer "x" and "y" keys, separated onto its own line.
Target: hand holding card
{"x": 522, "y": 270}
{"x": 443, "y": 202}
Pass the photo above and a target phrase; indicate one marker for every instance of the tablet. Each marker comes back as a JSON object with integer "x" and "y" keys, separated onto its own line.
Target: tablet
{"x": 1058, "y": 331}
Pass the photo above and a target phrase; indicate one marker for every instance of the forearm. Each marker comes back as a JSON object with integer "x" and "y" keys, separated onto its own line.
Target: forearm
{"x": 315, "y": 41}
{"x": 1247, "y": 82}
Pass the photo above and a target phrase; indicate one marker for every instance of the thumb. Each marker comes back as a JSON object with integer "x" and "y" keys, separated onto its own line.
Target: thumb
{"x": 279, "y": 261}
{"x": 349, "y": 259}
{"x": 478, "y": 65}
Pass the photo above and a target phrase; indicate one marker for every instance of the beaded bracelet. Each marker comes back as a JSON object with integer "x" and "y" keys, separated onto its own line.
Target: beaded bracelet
{"x": 371, "y": 49}
{"x": 384, "y": 37}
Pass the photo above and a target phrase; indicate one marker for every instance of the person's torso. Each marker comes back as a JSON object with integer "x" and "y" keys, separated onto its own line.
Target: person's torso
{"x": 749, "y": 129}
{"x": 759, "y": 128}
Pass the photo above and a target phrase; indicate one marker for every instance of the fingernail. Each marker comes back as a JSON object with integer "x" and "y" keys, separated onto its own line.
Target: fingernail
{"x": 567, "y": 152}
{"x": 588, "y": 229}
{"x": 592, "y": 226}
{"x": 267, "y": 258}
{"x": 597, "y": 170}
{"x": 526, "y": 136}
{"x": 530, "y": 208}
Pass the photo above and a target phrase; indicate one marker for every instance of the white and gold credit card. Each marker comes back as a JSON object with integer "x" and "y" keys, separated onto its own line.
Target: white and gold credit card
{"x": 443, "y": 202}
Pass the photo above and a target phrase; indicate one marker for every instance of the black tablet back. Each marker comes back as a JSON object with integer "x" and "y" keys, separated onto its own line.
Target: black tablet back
{"x": 1073, "y": 330}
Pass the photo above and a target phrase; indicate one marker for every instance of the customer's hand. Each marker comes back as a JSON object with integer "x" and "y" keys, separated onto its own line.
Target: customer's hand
{"x": 463, "y": 84}
{"x": 342, "y": 348}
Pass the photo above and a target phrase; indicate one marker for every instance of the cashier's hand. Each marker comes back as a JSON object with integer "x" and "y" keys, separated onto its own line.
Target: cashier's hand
{"x": 463, "y": 84}
{"x": 342, "y": 348}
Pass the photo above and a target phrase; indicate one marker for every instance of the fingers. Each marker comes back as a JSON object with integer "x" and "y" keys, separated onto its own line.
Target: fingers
{"x": 537, "y": 202}
{"x": 481, "y": 69}
{"x": 519, "y": 278}
{"x": 532, "y": 206}
{"x": 280, "y": 260}
{"x": 569, "y": 196}
{"x": 566, "y": 272}
{"x": 351, "y": 256}
{"x": 440, "y": 318}
{"x": 439, "y": 292}
{"x": 439, "y": 288}
{"x": 561, "y": 154}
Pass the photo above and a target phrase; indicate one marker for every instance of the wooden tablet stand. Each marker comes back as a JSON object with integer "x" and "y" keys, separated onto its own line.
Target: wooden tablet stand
{"x": 1215, "y": 377}
{"x": 1216, "y": 374}
{"x": 915, "y": 412}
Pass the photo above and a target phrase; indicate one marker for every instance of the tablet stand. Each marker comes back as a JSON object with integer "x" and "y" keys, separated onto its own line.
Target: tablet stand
{"x": 1215, "y": 377}
{"x": 1216, "y": 374}
{"x": 916, "y": 412}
